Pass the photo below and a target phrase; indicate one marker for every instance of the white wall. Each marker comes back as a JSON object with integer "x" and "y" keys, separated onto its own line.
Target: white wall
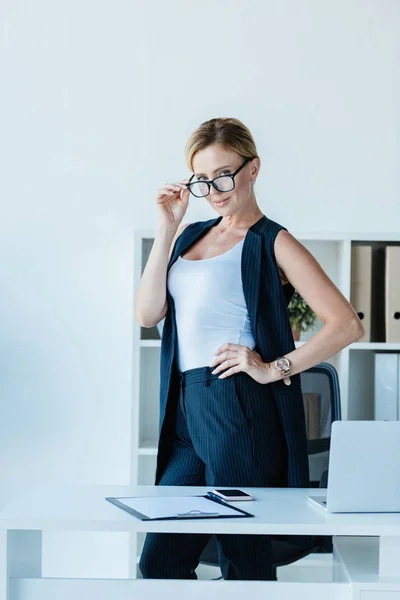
{"x": 97, "y": 100}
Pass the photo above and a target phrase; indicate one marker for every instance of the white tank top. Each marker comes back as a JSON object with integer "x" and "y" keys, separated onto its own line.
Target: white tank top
{"x": 210, "y": 307}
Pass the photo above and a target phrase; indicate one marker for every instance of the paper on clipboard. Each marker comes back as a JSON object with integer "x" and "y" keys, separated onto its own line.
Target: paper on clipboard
{"x": 167, "y": 507}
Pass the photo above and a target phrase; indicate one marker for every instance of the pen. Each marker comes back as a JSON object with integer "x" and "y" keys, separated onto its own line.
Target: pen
{"x": 216, "y": 498}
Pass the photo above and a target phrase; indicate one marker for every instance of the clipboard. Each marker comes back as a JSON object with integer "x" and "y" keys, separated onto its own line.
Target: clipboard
{"x": 156, "y": 508}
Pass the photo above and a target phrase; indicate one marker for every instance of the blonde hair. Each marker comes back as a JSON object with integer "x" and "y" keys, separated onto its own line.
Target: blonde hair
{"x": 230, "y": 133}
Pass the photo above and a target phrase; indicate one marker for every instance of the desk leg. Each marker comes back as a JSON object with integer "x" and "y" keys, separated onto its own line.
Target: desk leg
{"x": 20, "y": 556}
{"x": 389, "y": 553}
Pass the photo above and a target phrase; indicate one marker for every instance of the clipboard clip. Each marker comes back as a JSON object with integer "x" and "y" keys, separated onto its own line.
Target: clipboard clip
{"x": 196, "y": 513}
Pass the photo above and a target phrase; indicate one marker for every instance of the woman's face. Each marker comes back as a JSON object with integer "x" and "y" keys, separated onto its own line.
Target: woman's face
{"x": 216, "y": 160}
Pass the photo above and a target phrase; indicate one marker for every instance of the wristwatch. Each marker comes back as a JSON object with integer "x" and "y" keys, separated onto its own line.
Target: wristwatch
{"x": 283, "y": 365}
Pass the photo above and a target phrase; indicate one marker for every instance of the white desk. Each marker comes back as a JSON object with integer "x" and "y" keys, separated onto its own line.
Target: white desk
{"x": 364, "y": 568}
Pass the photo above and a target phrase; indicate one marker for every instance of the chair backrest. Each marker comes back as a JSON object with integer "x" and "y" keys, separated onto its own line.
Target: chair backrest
{"x": 321, "y": 395}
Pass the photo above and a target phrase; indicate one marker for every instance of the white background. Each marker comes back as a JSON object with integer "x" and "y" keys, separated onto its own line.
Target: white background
{"x": 97, "y": 100}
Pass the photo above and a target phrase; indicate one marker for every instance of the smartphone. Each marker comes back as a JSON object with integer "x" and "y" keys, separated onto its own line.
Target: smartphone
{"x": 232, "y": 495}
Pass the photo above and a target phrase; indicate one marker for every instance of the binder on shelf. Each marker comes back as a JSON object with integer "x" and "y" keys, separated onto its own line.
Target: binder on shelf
{"x": 361, "y": 286}
{"x": 392, "y": 294}
{"x": 160, "y": 508}
{"x": 387, "y": 387}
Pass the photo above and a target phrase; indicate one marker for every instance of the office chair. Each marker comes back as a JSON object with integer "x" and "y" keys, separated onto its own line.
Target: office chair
{"x": 321, "y": 396}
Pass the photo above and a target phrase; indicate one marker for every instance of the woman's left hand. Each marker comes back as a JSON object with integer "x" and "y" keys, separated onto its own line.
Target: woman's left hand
{"x": 241, "y": 358}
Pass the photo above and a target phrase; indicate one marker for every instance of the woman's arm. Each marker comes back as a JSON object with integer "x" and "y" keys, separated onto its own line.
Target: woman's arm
{"x": 151, "y": 303}
{"x": 341, "y": 323}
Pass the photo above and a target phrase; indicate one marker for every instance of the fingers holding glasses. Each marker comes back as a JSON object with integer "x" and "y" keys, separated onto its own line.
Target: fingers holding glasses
{"x": 172, "y": 200}
{"x": 178, "y": 186}
{"x": 171, "y": 189}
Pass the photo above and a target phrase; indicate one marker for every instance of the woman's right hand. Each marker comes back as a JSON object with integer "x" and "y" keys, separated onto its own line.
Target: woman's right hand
{"x": 172, "y": 202}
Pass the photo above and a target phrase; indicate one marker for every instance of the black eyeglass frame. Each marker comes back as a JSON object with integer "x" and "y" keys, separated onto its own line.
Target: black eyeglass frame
{"x": 211, "y": 182}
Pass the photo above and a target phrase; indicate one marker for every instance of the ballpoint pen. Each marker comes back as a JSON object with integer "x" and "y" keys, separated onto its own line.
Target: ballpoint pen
{"x": 216, "y": 498}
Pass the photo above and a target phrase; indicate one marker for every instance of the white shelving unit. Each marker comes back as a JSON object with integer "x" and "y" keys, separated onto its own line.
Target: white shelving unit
{"x": 355, "y": 364}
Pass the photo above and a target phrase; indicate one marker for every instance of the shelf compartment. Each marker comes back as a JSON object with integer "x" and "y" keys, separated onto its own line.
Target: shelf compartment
{"x": 147, "y": 469}
{"x": 361, "y": 385}
{"x": 149, "y": 395}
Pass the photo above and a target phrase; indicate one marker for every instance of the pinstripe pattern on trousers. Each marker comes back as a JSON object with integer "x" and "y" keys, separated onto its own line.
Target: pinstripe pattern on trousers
{"x": 228, "y": 433}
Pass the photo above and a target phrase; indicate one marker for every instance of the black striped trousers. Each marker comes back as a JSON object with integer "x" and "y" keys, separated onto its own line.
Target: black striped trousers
{"x": 228, "y": 433}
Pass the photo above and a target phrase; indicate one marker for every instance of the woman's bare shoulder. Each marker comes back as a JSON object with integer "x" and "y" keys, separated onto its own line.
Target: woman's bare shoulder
{"x": 180, "y": 229}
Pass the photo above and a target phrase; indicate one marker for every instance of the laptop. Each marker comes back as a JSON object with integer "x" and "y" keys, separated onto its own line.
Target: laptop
{"x": 364, "y": 468}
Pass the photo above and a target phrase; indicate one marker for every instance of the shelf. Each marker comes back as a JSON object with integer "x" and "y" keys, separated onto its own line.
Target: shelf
{"x": 150, "y": 343}
{"x": 148, "y": 448}
{"x": 323, "y": 236}
{"x": 157, "y": 344}
{"x": 385, "y": 236}
{"x": 386, "y": 346}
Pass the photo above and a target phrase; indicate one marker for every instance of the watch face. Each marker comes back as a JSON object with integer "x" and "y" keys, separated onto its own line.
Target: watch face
{"x": 282, "y": 364}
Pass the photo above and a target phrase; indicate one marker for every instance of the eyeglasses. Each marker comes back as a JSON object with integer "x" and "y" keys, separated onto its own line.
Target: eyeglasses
{"x": 222, "y": 183}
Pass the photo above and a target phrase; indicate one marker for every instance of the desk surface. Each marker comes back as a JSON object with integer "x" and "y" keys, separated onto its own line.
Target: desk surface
{"x": 276, "y": 510}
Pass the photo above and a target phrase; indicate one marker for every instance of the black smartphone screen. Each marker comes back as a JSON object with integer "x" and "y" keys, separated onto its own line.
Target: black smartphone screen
{"x": 232, "y": 492}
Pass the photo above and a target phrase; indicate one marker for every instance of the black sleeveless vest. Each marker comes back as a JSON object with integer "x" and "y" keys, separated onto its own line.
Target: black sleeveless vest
{"x": 267, "y": 301}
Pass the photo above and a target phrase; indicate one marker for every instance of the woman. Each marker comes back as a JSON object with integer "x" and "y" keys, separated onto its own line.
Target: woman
{"x": 231, "y": 404}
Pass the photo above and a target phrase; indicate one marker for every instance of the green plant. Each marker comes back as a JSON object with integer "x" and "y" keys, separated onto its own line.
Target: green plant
{"x": 301, "y": 316}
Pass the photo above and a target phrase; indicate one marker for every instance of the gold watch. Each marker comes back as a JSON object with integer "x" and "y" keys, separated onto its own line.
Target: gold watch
{"x": 283, "y": 365}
